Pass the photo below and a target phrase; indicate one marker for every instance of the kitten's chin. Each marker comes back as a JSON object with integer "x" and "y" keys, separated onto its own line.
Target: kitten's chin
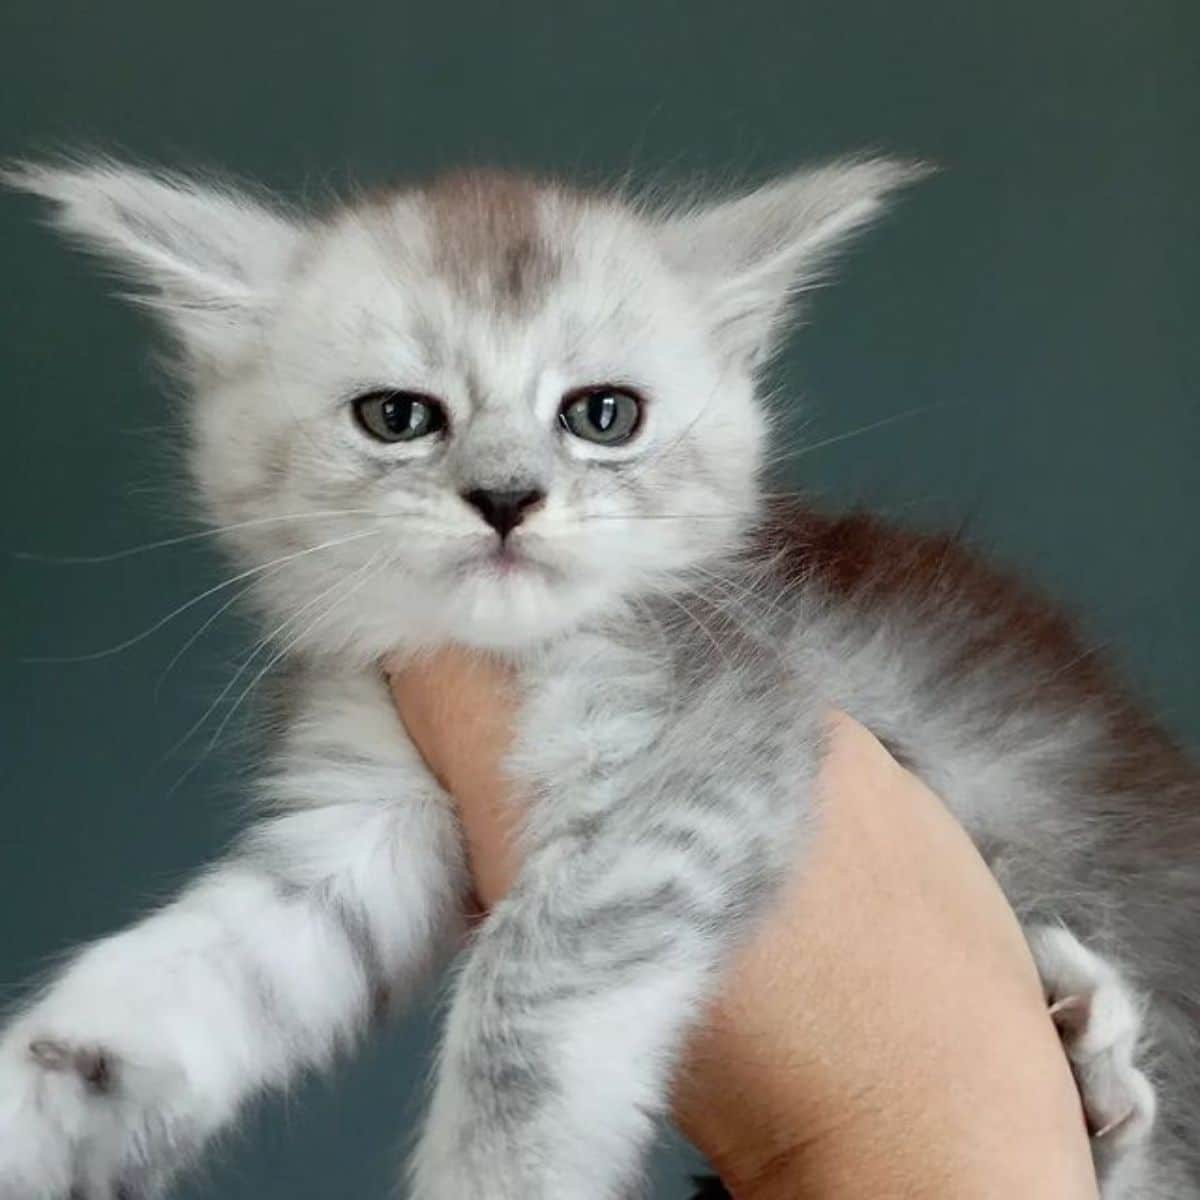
{"x": 514, "y": 611}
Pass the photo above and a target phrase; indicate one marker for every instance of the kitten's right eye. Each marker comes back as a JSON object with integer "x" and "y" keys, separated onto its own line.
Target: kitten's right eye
{"x": 394, "y": 416}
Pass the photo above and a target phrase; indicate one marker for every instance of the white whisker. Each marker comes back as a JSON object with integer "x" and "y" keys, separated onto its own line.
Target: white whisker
{"x": 853, "y": 433}
{"x": 258, "y": 570}
{"x": 199, "y": 633}
{"x": 695, "y": 620}
{"x": 687, "y": 516}
{"x": 361, "y": 577}
{"x": 199, "y": 535}
{"x": 259, "y": 646}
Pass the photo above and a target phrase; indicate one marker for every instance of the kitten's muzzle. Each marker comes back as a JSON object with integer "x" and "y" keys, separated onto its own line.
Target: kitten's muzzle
{"x": 504, "y": 510}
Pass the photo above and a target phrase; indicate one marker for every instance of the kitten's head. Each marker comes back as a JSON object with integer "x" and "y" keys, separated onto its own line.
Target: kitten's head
{"x": 481, "y": 410}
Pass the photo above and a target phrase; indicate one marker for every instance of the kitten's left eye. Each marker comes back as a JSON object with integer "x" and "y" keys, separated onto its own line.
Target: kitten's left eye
{"x": 607, "y": 416}
{"x": 392, "y": 416}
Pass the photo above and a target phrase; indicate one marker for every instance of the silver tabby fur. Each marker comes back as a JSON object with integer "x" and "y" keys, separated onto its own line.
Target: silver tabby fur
{"x": 674, "y": 679}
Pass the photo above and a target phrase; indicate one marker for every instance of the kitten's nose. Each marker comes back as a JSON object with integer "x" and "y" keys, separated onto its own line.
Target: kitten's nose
{"x": 503, "y": 511}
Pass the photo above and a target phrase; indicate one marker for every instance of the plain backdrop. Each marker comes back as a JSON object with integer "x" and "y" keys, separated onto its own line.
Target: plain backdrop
{"x": 1013, "y": 351}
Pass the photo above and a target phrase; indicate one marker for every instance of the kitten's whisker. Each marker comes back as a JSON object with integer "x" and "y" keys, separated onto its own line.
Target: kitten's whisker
{"x": 738, "y": 592}
{"x": 695, "y": 620}
{"x": 199, "y": 633}
{"x": 729, "y": 606}
{"x": 688, "y": 516}
{"x": 199, "y": 535}
{"x": 361, "y": 577}
{"x": 882, "y": 423}
{"x": 258, "y": 647}
{"x": 258, "y": 570}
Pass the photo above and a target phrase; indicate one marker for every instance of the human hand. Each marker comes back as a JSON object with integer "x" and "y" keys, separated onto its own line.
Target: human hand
{"x": 884, "y": 1033}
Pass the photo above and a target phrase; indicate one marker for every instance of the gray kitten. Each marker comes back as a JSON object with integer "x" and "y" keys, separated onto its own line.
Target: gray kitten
{"x": 513, "y": 415}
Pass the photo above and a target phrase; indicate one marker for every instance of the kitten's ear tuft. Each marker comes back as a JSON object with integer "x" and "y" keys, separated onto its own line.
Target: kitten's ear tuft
{"x": 749, "y": 256}
{"x": 205, "y": 255}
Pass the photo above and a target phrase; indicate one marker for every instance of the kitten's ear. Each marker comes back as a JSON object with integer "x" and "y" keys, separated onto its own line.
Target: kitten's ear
{"x": 751, "y": 255}
{"x": 207, "y": 257}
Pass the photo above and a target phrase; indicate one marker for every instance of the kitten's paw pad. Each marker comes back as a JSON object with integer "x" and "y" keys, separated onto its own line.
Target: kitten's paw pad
{"x": 1100, "y": 1021}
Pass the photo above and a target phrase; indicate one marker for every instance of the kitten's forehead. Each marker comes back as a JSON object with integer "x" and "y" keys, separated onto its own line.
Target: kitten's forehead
{"x": 492, "y": 270}
{"x": 490, "y": 232}
{"x": 507, "y": 243}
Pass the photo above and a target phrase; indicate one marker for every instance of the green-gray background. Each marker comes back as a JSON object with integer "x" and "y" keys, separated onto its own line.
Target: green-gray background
{"x": 1035, "y": 305}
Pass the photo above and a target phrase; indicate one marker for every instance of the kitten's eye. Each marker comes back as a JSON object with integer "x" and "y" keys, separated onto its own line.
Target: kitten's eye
{"x": 399, "y": 416}
{"x": 605, "y": 415}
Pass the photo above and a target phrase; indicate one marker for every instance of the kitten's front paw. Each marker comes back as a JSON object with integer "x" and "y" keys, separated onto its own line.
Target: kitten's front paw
{"x": 78, "y": 1120}
{"x": 1100, "y": 1022}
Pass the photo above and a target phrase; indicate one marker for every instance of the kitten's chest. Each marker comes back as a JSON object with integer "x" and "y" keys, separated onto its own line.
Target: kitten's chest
{"x": 604, "y": 716}
{"x": 590, "y": 710}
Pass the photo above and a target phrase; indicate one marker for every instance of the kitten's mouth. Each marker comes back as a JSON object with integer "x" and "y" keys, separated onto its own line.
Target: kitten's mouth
{"x": 505, "y": 560}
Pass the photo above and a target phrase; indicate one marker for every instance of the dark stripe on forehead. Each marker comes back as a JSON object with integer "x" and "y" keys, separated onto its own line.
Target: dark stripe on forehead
{"x": 488, "y": 237}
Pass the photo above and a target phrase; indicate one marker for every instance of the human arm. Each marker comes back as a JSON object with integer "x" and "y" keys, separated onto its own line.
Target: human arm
{"x": 883, "y": 1034}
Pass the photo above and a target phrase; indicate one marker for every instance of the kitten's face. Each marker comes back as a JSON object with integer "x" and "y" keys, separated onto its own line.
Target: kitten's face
{"x": 375, "y": 390}
{"x": 500, "y": 304}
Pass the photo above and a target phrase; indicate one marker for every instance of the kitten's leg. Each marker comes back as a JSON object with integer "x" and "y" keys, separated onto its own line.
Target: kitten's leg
{"x": 150, "y": 1041}
{"x": 555, "y": 1059}
{"x": 574, "y": 1002}
{"x": 1100, "y": 1020}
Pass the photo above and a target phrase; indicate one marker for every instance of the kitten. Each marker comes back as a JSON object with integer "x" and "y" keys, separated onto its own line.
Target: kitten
{"x": 509, "y": 414}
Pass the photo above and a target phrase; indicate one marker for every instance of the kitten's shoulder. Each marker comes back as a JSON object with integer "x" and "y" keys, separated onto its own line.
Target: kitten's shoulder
{"x": 859, "y": 558}
{"x": 990, "y": 615}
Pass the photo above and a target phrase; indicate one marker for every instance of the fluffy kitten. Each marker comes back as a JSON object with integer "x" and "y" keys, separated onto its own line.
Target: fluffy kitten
{"x": 512, "y": 415}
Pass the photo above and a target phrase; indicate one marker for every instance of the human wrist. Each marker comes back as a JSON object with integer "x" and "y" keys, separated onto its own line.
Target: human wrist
{"x": 883, "y": 1033}
{"x": 457, "y": 707}
{"x": 951, "y": 1125}
{"x": 758, "y": 1130}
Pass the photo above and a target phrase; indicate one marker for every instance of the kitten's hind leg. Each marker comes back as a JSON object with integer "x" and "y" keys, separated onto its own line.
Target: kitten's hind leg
{"x": 1099, "y": 1018}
